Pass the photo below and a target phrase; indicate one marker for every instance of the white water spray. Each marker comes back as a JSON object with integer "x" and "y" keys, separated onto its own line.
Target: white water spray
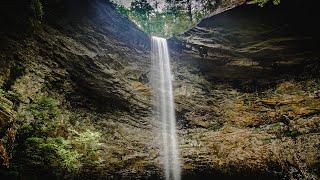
{"x": 164, "y": 107}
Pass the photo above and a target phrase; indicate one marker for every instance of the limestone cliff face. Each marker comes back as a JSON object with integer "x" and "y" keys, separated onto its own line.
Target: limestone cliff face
{"x": 246, "y": 92}
{"x": 256, "y": 90}
{"x": 94, "y": 62}
{"x": 254, "y": 44}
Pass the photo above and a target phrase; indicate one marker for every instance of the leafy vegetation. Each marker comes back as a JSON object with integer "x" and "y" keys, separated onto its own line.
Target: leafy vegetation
{"x": 173, "y": 18}
{"x": 47, "y": 140}
{"x": 37, "y": 9}
{"x": 64, "y": 154}
{"x": 263, "y": 2}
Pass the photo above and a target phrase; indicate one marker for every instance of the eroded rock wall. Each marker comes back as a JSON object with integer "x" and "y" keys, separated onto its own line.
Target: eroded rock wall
{"x": 253, "y": 106}
{"x": 246, "y": 93}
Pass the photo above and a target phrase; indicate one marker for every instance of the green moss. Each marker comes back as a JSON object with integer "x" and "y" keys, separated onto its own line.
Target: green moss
{"x": 276, "y": 125}
{"x": 184, "y": 146}
{"x": 293, "y": 133}
{"x": 216, "y": 126}
{"x": 270, "y": 138}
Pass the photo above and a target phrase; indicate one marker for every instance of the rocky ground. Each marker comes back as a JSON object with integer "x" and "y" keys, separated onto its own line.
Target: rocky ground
{"x": 75, "y": 97}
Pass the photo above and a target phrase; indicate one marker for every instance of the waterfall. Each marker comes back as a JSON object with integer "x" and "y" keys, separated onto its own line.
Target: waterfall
{"x": 164, "y": 111}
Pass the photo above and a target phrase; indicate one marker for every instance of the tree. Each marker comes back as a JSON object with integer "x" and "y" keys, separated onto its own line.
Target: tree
{"x": 173, "y": 17}
{"x": 181, "y": 5}
{"x": 189, "y": 4}
{"x": 142, "y": 7}
{"x": 123, "y": 10}
{"x": 263, "y": 2}
{"x": 210, "y": 5}
{"x": 142, "y": 10}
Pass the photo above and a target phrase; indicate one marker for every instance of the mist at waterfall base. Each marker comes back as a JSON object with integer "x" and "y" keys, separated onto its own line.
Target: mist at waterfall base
{"x": 164, "y": 111}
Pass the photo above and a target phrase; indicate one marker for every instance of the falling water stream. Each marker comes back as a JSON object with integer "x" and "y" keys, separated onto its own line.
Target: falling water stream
{"x": 164, "y": 107}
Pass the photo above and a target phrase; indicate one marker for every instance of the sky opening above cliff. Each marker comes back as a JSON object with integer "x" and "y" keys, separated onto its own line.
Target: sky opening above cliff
{"x": 166, "y": 18}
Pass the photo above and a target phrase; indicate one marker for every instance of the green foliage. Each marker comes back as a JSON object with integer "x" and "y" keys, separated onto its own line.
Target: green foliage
{"x": 141, "y": 7}
{"x": 263, "y": 2}
{"x": 283, "y": 130}
{"x": 123, "y": 10}
{"x": 141, "y": 10}
{"x": 37, "y": 9}
{"x": 55, "y": 153}
{"x": 70, "y": 154}
{"x": 171, "y": 21}
{"x": 292, "y": 133}
{"x": 45, "y": 113}
{"x": 48, "y": 142}
{"x": 45, "y": 109}
{"x": 175, "y": 18}
{"x": 87, "y": 144}
{"x": 2, "y": 92}
{"x": 162, "y": 24}
{"x": 277, "y": 125}
{"x": 11, "y": 96}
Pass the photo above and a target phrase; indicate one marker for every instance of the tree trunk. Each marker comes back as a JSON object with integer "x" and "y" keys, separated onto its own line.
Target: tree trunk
{"x": 189, "y": 2}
